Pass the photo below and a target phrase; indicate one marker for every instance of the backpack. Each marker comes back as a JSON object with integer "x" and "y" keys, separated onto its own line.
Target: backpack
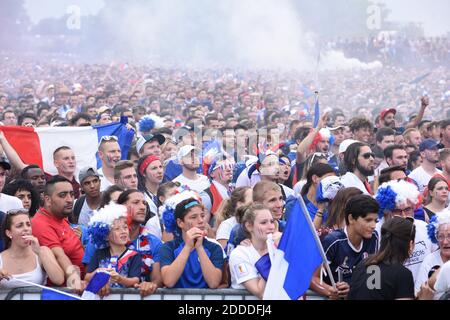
{"x": 77, "y": 209}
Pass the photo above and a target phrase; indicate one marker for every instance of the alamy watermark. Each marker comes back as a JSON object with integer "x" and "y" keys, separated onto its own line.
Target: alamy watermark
{"x": 73, "y": 22}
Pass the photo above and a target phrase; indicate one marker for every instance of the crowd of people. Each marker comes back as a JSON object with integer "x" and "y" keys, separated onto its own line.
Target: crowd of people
{"x": 392, "y": 49}
{"x": 218, "y": 159}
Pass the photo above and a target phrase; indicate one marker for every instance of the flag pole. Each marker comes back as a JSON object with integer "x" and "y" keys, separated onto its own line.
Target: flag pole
{"x": 47, "y": 288}
{"x": 316, "y": 238}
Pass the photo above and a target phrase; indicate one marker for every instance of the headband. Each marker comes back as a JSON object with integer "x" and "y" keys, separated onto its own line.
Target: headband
{"x": 146, "y": 163}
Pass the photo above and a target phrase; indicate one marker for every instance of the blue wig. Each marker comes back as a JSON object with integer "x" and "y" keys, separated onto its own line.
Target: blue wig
{"x": 98, "y": 234}
{"x": 386, "y": 199}
{"x": 146, "y": 124}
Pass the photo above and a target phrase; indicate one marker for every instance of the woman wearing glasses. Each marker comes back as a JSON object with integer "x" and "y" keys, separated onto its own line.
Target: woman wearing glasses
{"x": 383, "y": 276}
{"x": 439, "y": 233}
{"x": 401, "y": 198}
{"x": 24, "y": 258}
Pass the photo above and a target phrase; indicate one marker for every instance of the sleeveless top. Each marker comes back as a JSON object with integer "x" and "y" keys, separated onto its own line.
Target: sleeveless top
{"x": 37, "y": 276}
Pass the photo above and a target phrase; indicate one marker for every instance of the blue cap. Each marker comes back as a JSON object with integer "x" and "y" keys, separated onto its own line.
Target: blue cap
{"x": 428, "y": 144}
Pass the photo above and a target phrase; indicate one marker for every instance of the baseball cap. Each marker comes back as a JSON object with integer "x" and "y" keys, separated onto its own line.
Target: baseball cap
{"x": 428, "y": 144}
{"x": 336, "y": 128}
{"x": 143, "y": 139}
{"x": 386, "y": 111}
{"x": 103, "y": 109}
{"x": 185, "y": 150}
{"x": 87, "y": 172}
{"x": 345, "y": 144}
{"x": 4, "y": 163}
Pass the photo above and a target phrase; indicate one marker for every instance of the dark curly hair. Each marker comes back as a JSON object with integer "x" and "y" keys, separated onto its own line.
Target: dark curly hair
{"x": 21, "y": 184}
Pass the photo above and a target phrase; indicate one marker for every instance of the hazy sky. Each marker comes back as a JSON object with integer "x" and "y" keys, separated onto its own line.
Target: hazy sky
{"x": 433, "y": 14}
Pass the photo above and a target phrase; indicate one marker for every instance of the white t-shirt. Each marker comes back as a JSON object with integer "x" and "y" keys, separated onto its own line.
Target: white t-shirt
{"x": 153, "y": 226}
{"x": 85, "y": 214}
{"x": 431, "y": 260}
{"x": 422, "y": 177}
{"x": 200, "y": 184}
{"x": 104, "y": 183}
{"x": 242, "y": 265}
{"x": 244, "y": 181}
{"x": 287, "y": 191}
{"x": 224, "y": 230}
{"x": 8, "y": 202}
{"x": 298, "y": 187}
{"x": 351, "y": 180}
{"x": 442, "y": 284}
{"x": 422, "y": 248}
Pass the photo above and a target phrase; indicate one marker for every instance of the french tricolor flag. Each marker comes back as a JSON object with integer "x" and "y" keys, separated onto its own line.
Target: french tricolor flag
{"x": 298, "y": 255}
{"x": 36, "y": 145}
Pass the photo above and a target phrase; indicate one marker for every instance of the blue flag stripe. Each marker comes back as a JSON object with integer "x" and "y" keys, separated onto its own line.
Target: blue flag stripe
{"x": 301, "y": 252}
{"x": 119, "y": 130}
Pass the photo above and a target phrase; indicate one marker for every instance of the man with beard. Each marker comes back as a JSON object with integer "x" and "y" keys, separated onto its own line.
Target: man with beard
{"x": 359, "y": 161}
{"x": 387, "y": 118}
{"x": 110, "y": 154}
{"x": 396, "y": 155}
{"x": 221, "y": 173}
{"x": 51, "y": 227}
{"x": 429, "y": 152}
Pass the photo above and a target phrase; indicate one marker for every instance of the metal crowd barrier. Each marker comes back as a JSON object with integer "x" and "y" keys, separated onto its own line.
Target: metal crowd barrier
{"x": 34, "y": 293}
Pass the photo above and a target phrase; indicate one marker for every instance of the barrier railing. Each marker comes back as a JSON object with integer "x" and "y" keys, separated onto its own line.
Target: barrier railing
{"x": 33, "y": 293}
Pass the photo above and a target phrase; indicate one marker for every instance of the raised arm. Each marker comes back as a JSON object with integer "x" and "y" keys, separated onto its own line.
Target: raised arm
{"x": 303, "y": 147}
{"x": 425, "y": 102}
{"x": 11, "y": 153}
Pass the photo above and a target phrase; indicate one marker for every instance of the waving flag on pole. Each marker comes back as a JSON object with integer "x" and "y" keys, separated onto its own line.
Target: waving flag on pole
{"x": 316, "y": 111}
{"x": 298, "y": 255}
{"x": 36, "y": 145}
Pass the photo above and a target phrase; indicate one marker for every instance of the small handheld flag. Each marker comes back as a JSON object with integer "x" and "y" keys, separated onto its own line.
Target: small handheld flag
{"x": 98, "y": 281}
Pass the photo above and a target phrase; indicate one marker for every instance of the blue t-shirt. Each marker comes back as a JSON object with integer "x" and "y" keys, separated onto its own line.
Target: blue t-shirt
{"x": 192, "y": 276}
{"x": 128, "y": 264}
{"x": 343, "y": 257}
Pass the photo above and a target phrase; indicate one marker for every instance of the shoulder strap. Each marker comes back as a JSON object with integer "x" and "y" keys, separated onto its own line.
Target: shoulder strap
{"x": 77, "y": 208}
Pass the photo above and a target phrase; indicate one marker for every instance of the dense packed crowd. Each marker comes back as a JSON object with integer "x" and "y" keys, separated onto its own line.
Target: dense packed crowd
{"x": 217, "y": 162}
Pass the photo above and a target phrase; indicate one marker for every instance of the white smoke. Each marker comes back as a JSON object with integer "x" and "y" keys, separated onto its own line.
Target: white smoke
{"x": 335, "y": 60}
{"x": 249, "y": 34}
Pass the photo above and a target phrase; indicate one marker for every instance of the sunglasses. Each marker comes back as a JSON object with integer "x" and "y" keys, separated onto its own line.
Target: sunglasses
{"x": 17, "y": 211}
{"x": 319, "y": 156}
{"x": 108, "y": 138}
{"x": 368, "y": 155}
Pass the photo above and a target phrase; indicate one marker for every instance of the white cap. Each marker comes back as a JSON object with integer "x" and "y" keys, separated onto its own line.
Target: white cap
{"x": 184, "y": 151}
{"x": 345, "y": 144}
